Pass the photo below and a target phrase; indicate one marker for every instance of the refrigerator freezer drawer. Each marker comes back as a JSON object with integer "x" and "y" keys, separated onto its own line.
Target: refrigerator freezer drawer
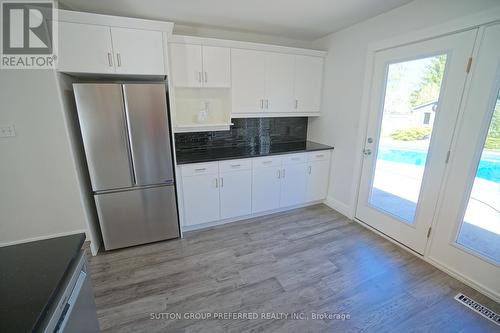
{"x": 138, "y": 216}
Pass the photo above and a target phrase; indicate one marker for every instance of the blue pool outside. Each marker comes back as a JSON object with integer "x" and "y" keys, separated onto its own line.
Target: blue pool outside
{"x": 489, "y": 166}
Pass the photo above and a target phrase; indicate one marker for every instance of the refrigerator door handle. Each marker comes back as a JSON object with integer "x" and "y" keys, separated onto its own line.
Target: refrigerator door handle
{"x": 127, "y": 130}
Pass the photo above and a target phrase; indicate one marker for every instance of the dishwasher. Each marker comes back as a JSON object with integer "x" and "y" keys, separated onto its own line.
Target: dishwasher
{"x": 74, "y": 309}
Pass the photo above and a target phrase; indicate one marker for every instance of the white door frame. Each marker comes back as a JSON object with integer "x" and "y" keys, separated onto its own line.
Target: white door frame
{"x": 464, "y": 23}
{"x": 451, "y": 27}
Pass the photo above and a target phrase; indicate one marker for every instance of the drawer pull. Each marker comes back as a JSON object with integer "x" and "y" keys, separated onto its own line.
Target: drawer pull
{"x": 267, "y": 162}
{"x": 320, "y": 155}
{"x": 235, "y": 165}
{"x": 200, "y": 169}
{"x": 295, "y": 158}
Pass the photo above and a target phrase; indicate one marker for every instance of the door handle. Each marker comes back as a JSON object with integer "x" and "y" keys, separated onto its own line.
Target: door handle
{"x": 110, "y": 59}
{"x": 206, "y": 77}
{"x": 267, "y": 104}
{"x": 216, "y": 183}
{"x": 119, "y": 59}
{"x": 199, "y": 76}
{"x": 296, "y": 104}
{"x": 221, "y": 182}
{"x": 278, "y": 173}
{"x": 367, "y": 151}
{"x": 261, "y": 103}
{"x": 309, "y": 171}
{"x": 283, "y": 173}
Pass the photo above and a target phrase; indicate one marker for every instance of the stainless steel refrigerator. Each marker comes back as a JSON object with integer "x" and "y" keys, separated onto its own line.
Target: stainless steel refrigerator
{"x": 126, "y": 138}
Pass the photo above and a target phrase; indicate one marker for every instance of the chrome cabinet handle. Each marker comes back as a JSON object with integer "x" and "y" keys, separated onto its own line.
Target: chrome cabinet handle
{"x": 267, "y": 162}
{"x": 216, "y": 183}
{"x": 235, "y": 165}
{"x": 296, "y": 104}
{"x": 261, "y": 103}
{"x": 199, "y": 170}
{"x": 295, "y": 158}
{"x": 267, "y": 104}
{"x": 283, "y": 173}
{"x": 309, "y": 171}
{"x": 278, "y": 173}
{"x": 199, "y": 76}
{"x": 206, "y": 77}
{"x": 119, "y": 59}
{"x": 110, "y": 59}
{"x": 221, "y": 182}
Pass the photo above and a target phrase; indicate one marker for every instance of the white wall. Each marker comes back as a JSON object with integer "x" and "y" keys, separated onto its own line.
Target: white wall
{"x": 344, "y": 80}
{"x": 39, "y": 194}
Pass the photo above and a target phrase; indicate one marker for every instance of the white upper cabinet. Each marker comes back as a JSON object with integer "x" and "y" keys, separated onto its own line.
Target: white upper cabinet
{"x": 138, "y": 51}
{"x": 274, "y": 83}
{"x": 200, "y": 66}
{"x": 279, "y": 82}
{"x": 187, "y": 65}
{"x": 216, "y": 67}
{"x": 101, "y": 44}
{"x": 248, "y": 78}
{"x": 85, "y": 48}
{"x": 308, "y": 84}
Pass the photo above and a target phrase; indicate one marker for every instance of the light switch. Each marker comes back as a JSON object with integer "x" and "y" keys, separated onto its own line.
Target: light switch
{"x": 7, "y": 131}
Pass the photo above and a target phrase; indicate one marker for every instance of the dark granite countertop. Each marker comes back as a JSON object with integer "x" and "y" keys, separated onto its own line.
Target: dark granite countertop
{"x": 30, "y": 277}
{"x": 197, "y": 155}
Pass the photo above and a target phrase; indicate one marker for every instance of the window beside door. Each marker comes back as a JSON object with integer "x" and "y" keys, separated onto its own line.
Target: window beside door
{"x": 411, "y": 98}
{"x": 480, "y": 229}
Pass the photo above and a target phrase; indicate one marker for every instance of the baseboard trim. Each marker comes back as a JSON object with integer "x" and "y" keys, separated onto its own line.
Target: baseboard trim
{"x": 460, "y": 277}
{"x": 34, "y": 239}
{"x": 340, "y": 207}
{"x": 187, "y": 228}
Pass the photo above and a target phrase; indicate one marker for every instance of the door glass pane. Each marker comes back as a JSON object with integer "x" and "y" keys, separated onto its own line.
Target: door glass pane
{"x": 480, "y": 230}
{"x": 410, "y": 105}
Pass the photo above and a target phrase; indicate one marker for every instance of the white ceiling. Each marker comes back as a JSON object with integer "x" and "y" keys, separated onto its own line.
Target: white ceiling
{"x": 298, "y": 19}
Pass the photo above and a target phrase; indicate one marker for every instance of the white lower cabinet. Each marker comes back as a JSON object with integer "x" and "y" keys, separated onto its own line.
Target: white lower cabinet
{"x": 200, "y": 189}
{"x": 266, "y": 188}
{"x": 293, "y": 185}
{"x": 235, "y": 193}
{"x": 317, "y": 180}
{"x": 229, "y": 189}
{"x": 318, "y": 172}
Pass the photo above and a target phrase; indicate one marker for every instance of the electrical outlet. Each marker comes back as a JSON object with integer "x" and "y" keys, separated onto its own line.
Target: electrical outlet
{"x": 7, "y": 131}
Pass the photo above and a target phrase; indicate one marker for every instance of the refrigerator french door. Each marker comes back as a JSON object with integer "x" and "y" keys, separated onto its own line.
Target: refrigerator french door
{"x": 126, "y": 138}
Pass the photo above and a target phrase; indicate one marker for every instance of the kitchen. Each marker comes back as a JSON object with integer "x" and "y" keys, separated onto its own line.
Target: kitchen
{"x": 197, "y": 170}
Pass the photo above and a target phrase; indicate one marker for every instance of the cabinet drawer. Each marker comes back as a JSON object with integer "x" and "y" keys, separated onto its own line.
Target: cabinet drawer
{"x": 295, "y": 158}
{"x": 264, "y": 162}
{"x": 319, "y": 155}
{"x": 234, "y": 165}
{"x": 200, "y": 169}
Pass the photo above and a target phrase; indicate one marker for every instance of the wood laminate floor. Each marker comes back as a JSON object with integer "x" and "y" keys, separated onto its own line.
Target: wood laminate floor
{"x": 305, "y": 261}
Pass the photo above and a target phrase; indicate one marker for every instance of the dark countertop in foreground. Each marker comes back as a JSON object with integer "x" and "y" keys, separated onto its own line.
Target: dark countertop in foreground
{"x": 197, "y": 155}
{"x": 30, "y": 277}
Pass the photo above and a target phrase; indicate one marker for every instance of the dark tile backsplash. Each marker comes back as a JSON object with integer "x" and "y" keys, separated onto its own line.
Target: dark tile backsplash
{"x": 246, "y": 132}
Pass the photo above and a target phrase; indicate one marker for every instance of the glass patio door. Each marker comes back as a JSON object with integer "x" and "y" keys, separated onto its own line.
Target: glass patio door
{"x": 467, "y": 231}
{"x": 415, "y": 100}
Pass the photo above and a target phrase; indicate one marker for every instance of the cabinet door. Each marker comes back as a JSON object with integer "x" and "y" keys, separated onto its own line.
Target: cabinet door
{"x": 248, "y": 73}
{"x": 216, "y": 67}
{"x": 317, "y": 180}
{"x": 279, "y": 82}
{"x": 235, "y": 193}
{"x": 85, "y": 48}
{"x": 293, "y": 184}
{"x": 266, "y": 187}
{"x": 138, "y": 51}
{"x": 308, "y": 83}
{"x": 186, "y": 65}
{"x": 201, "y": 198}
